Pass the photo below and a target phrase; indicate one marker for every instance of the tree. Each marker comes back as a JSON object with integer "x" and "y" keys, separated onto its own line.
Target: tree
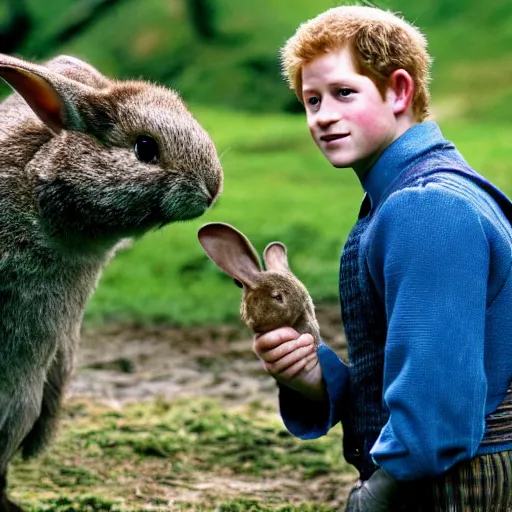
{"x": 202, "y": 18}
{"x": 19, "y": 25}
{"x": 16, "y": 27}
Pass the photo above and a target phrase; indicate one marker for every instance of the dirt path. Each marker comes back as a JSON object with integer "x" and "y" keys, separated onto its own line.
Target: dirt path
{"x": 118, "y": 365}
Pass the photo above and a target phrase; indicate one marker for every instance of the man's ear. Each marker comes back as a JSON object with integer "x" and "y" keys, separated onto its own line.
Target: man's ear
{"x": 401, "y": 87}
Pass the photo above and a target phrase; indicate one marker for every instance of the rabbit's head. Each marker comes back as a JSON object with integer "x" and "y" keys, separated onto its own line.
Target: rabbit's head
{"x": 273, "y": 297}
{"x": 104, "y": 159}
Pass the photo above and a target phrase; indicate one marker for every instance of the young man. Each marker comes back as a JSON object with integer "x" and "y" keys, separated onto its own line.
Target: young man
{"x": 425, "y": 283}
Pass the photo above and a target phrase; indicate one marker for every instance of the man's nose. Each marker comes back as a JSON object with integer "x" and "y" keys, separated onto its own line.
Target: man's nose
{"x": 328, "y": 114}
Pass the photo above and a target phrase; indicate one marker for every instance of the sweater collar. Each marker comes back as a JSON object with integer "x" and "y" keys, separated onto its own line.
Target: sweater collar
{"x": 412, "y": 144}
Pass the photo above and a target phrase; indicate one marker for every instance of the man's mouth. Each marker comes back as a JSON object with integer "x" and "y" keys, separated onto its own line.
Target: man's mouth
{"x": 333, "y": 136}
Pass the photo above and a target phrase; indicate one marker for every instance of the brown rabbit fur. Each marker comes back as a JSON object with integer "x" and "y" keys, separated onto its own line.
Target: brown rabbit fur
{"x": 271, "y": 298}
{"x": 75, "y": 180}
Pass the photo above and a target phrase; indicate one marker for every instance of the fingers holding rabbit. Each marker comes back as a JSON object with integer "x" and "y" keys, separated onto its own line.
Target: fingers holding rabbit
{"x": 292, "y": 360}
{"x": 282, "y": 349}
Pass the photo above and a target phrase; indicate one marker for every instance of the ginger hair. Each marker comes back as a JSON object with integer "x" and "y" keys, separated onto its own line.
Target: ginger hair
{"x": 380, "y": 41}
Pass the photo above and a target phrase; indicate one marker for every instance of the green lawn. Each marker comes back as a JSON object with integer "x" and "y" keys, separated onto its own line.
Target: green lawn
{"x": 277, "y": 187}
{"x": 277, "y": 184}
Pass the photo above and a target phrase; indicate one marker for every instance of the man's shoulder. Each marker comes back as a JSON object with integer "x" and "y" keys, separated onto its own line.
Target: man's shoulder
{"x": 441, "y": 183}
{"x": 438, "y": 197}
{"x": 434, "y": 190}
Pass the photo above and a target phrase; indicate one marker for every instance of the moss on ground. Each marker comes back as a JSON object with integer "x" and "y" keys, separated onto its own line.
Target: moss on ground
{"x": 180, "y": 456}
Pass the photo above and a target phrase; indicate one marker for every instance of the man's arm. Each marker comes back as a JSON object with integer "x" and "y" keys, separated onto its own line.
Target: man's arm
{"x": 313, "y": 381}
{"x": 430, "y": 260}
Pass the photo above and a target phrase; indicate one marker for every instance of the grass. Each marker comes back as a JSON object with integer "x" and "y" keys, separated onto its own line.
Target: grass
{"x": 277, "y": 187}
{"x": 155, "y": 454}
{"x": 277, "y": 184}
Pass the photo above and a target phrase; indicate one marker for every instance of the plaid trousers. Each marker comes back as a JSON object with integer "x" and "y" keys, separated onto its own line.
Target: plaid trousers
{"x": 482, "y": 484}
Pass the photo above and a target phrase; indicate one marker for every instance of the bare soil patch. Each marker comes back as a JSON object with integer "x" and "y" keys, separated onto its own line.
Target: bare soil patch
{"x": 121, "y": 364}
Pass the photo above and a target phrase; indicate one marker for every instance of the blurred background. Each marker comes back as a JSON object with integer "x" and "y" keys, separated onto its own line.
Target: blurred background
{"x": 163, "y": 332}
{"x": 222, "y": 56}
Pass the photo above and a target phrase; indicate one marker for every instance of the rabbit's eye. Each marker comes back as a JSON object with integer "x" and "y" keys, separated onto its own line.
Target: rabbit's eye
{"x": 278, "y": 297}
{"x": 146, "y": 149}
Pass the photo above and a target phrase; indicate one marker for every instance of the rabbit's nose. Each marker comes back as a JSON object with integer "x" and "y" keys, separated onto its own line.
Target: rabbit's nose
{"x": 209, "y": 199}
{"x": 209, "y": 196}
{"x": 214, "y": 188}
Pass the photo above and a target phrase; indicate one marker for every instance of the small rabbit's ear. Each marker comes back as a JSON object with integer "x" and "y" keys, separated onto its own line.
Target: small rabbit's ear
{"x": 50, "y": 95}
{"x": 231, "y": 251}
{"x": 275, "y": 258}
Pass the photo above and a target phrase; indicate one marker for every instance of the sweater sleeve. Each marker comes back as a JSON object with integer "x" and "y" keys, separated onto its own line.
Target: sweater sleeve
{"x": 430, "y": 260}
{"x": 309, "y": 419}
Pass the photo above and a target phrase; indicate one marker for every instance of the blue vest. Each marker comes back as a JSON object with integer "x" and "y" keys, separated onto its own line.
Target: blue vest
{"x": 364, "y": 317}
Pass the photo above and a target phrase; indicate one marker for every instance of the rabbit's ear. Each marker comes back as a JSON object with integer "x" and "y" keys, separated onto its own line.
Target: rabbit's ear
{"x": 275, "y": 258}
{"x": 231, "y": 251}
{"x": 50, "y": 95}
{"x": 78, "y": 70}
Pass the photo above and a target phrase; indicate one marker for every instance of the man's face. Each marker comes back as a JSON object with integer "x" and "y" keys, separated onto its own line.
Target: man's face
{"x": 347, "y": 117}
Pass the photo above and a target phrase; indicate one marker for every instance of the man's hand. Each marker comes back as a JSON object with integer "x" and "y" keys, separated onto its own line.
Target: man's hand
{"x": 377, "y": 494}
{"x": 292, "y": 360}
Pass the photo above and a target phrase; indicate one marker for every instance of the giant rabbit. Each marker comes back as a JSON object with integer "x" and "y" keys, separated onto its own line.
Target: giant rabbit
{"x": 85, "y": 161}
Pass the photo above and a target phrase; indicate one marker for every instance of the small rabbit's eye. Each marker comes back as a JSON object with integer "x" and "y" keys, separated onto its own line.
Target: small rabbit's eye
{"x": 278, "y": 297}
{"x": 146, "y": 149}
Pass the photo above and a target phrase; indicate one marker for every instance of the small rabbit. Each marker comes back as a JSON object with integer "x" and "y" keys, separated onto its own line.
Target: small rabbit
{"x": 271, "y": 298}
{"x": 85, "y": 162}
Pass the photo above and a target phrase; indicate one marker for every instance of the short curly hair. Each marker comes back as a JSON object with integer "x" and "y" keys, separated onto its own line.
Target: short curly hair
{"x": 381, "y": 42}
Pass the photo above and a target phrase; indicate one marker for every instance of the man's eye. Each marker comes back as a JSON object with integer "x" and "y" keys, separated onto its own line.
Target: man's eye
{"x": 345, "y": 92}
{"x": 313, "y": 103}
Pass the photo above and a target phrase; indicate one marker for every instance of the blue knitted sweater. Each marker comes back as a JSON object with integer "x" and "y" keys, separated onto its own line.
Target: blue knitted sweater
{"x": 439, "y": 255}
